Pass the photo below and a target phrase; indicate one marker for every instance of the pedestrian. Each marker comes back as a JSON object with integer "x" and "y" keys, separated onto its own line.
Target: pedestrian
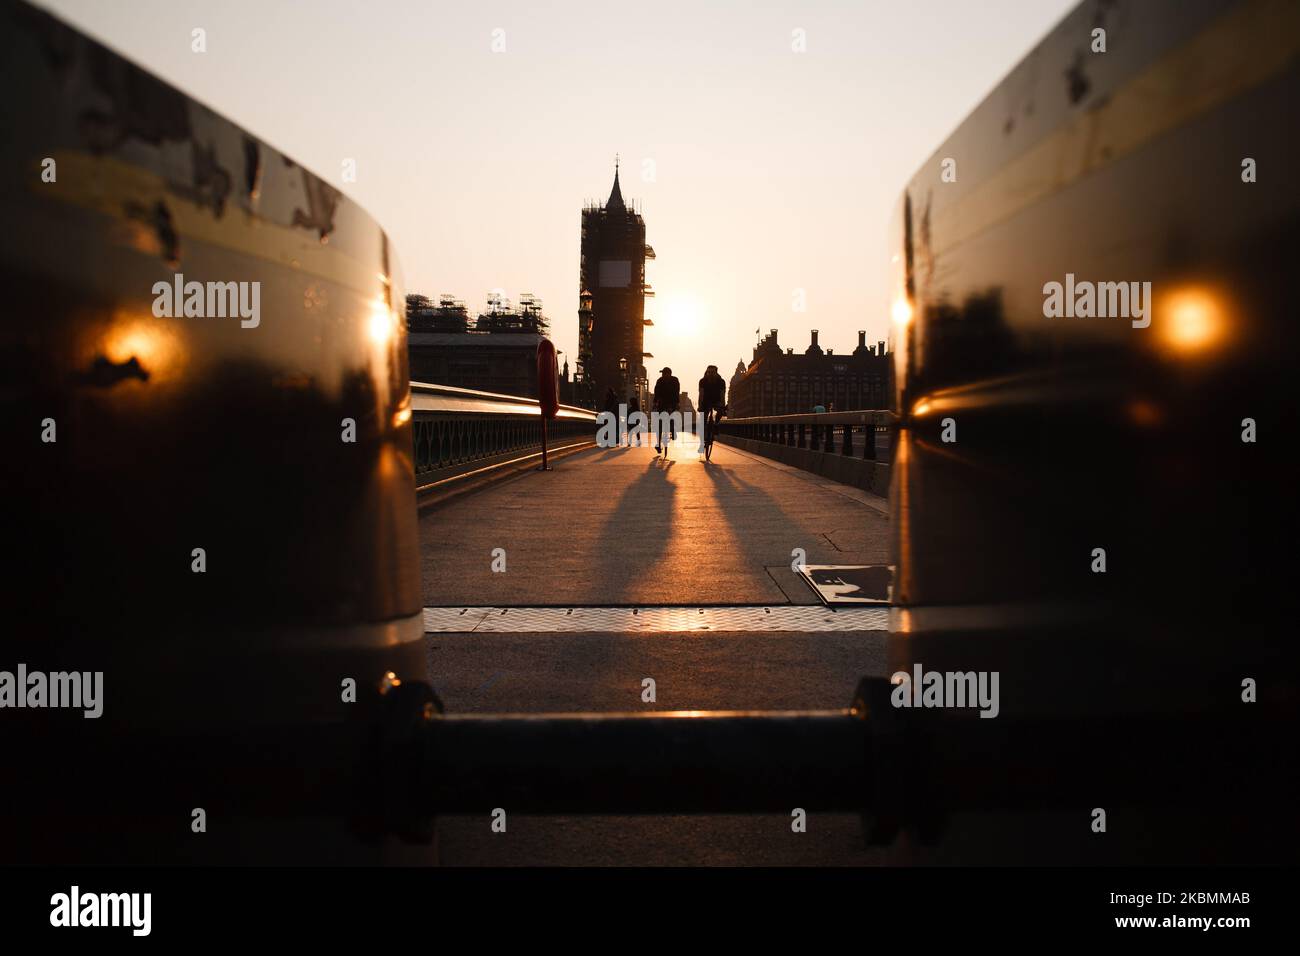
{"x": 633, "y": 408}
{"x": 611, "y": 406}
{"x": 668, "y": 396}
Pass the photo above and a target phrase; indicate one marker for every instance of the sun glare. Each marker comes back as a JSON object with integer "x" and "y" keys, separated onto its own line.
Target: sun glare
{"x": 679, "y": 317}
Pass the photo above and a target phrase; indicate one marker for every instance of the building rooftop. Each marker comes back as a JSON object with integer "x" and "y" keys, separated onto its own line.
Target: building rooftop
{"x": 510, "y": 339}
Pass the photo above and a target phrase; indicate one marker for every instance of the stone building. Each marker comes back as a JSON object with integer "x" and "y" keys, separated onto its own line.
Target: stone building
{"x": 497, "y": 352}
{"x": 780, "y": 382}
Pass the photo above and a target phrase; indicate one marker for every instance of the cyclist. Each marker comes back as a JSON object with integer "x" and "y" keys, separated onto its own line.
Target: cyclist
{"x": 711, "y": 406}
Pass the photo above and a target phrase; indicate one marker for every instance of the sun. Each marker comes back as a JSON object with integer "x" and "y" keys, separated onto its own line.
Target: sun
{"x": 679, "y": 317}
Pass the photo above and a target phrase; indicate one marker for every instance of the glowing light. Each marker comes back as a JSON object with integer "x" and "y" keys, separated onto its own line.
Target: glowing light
{"x": 401, "y": 417}
{"x": 137, "y": 341}
{"x": 921, "y": 407}
{"x": 679, "y": 317}
{"x": 155, "y": 345}
{"x": 1144, "y": 414}
{"x": 1190, "y": 319}
{"x": 381, "y": 324}
{"x": 901, "y": 311}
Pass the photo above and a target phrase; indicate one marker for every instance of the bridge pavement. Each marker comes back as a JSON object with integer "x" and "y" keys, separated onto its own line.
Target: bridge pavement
{"x": 616, "y": 527}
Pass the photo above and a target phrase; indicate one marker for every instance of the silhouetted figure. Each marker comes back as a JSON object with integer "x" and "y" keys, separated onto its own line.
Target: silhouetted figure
{"x": 611, "y": 405}
{"x": 633, "y": 406}
{"x": 668, "y": 394}
{"x": 712, "y": 395}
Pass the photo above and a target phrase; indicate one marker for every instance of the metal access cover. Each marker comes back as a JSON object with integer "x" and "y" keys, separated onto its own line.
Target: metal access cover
{"x": 651, "y": 620}
{"x": 851, "y": 583}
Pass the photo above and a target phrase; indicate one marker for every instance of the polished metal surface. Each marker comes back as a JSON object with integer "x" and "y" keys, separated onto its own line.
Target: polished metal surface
{"x": 1027, "y": 440}
{"x": 1075, "y": 433}
{"x": 224, "y": 523}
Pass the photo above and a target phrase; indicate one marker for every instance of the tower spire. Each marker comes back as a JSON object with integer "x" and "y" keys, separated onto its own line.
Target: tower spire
{"x": 616, "y": 194}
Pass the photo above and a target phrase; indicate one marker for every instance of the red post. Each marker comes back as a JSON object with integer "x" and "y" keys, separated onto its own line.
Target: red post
{"x": 548, "y": 389}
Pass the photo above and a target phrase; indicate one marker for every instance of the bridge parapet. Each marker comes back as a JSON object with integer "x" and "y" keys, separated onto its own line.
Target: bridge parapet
{"x": 845, "y": 446}
{"x": 460, "y": 431}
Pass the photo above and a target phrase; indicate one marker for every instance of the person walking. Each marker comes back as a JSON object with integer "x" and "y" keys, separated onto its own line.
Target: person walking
{"x": 633, "y": 407}
{"x": 668, "y": 396}
{"x": 611, "y": 406}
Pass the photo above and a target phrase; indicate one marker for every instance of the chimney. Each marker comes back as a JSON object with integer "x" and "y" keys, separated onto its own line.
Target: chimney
{"x": 880, "y": 348}
{"x": 862, "y": 339}
{"x": 830, "y": 351}
{"x": 814, "y": 340}
{"x": 789, "y": 351}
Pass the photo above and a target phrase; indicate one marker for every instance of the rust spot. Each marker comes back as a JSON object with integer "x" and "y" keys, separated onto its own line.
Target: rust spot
{"x": 140, "y": 105}
{"x": 159, "y": 218}
{"x": 1076, "y": 82}
{"x": 252, "y": 167}
{"x": 322, "y": 203}
{"x": 211, "y": 181}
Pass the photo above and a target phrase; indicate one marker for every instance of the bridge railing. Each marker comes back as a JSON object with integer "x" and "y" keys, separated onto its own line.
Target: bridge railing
{"x": 845, "y": 433}
{"x": 852, "y": 447}
{"x": 459, "y": 431}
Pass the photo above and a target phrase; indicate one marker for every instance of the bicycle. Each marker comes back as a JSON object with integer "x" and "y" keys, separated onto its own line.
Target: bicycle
{"x": 710, "y": 428}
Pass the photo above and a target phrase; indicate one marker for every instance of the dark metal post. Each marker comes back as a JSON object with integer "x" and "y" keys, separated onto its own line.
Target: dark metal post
{"x": 687, "y": 762}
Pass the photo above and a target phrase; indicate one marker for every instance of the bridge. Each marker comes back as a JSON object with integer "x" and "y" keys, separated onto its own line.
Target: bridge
{"x": 563, "y": 591}
{"x": 338, "y": 604}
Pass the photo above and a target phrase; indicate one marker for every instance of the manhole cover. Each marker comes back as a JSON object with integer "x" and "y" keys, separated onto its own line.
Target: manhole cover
{"x": 850, "y": 583}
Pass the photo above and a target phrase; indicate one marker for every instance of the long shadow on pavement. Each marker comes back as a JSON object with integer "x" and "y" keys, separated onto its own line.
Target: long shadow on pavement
{"x": 635, "y": 538}
{"x": 756, "y": 517}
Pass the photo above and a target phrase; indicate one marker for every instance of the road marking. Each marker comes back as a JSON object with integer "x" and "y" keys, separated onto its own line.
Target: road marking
{"x": 652, "y": 620}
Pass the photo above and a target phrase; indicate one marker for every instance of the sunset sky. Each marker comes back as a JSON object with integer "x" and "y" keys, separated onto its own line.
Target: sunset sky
{"x": 773, "y": 171}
